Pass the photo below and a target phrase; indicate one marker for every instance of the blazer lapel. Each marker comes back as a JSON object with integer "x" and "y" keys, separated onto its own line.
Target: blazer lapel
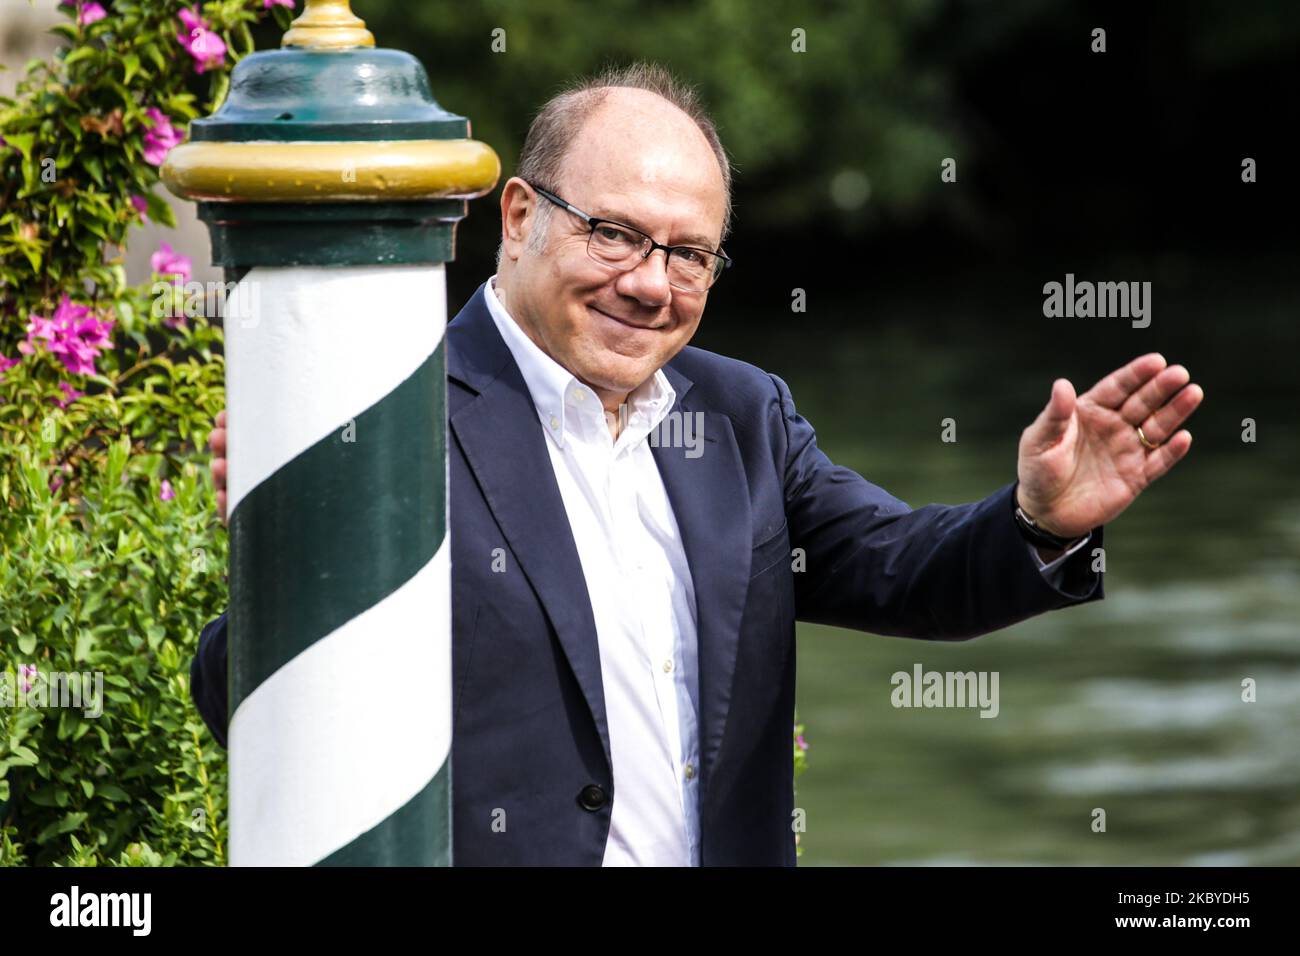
{"x": 709, "y": 500}
{"x": 505, "y": 448}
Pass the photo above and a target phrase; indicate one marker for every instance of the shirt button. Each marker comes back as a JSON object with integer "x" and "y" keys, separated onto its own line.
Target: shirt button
{"x": 579, "y": 395}
{"x": 690, "y": 771}
{"x": 668, "y": 666}
{"x": 555, "y": 422}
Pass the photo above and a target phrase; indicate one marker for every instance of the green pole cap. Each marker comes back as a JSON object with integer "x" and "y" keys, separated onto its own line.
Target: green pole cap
{"x": 330, "y": 152}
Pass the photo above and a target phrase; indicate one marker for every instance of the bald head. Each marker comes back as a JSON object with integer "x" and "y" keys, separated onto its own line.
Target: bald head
{"x": 638, "y": 91}
{"x": 639, "y": 159}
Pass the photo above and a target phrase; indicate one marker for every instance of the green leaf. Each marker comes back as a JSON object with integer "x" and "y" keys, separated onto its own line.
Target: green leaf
{"x": 44, "y": 797}
{"x": 79, "y": 54}
{"x": 95, "y": 168}
{"x": 221, "y": 85}
{"x": 112, "y": 792}
{"x": 26, "y": 644}
{"x": 155, "y": 56}
{"x": 85, "y": 641}
{"x": 91, "y": 605}
{"x": 69, "y": 822}
{"x": 117, "y": 455}
{"x": 22, "y": 142}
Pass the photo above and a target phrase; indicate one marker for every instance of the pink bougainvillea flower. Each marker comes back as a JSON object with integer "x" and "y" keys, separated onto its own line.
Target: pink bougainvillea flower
{"x": 87, "y": 12}
{"x": 71, "y": 393}
{"x": 167, "y": 261}
{"x": 27, "y": 674}
{"x": 207, "y": 48}
{"x": 167, "y": 493}
{"x": 74, "y": 334}
{"x": 192, "y": 21}
{"x": 141, "y": 206}
{"x": 268, "y": 4}
{"x": 6, "y": 364}
{"x": 160, "y": 137}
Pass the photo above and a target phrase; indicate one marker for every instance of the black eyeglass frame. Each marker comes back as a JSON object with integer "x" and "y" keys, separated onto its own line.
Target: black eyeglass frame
{"x": 594, "y": 221}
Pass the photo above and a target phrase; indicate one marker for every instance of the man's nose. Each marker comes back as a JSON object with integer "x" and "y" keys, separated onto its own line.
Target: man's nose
{"x": 648, "y": 282}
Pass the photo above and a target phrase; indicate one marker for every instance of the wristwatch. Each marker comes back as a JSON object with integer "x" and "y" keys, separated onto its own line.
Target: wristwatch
{"x": 1035, "y": 535}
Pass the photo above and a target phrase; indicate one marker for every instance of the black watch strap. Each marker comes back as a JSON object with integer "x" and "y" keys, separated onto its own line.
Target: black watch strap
{"x": 1036, "y": 535}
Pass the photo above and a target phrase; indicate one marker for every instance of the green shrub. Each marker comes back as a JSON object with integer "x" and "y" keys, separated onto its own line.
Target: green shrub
{"x": 111, "y": 557}
{"x": 111, "y": 573}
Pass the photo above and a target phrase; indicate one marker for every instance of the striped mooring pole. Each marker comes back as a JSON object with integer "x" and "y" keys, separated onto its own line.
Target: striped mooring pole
{"x": 331, "y": 183}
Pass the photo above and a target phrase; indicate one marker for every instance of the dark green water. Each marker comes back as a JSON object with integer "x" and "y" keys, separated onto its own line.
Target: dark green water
{"x": 1134, "y": 704}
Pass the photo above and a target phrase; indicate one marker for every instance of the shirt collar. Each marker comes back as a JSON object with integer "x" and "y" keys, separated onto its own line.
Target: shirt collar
{"x": 567, "y": 407}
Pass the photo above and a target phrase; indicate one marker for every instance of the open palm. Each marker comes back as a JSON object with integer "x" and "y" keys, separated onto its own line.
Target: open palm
{"x": 1082, "y": 461}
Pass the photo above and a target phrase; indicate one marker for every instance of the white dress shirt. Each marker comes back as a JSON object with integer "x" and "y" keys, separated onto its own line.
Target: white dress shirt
{"x": 642, "y": 599}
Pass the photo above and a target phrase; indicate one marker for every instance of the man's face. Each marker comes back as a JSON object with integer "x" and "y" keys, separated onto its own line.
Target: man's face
{"x": 640, "y": 161}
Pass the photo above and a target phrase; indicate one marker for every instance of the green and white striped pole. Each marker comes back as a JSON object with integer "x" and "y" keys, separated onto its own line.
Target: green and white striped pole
{"x": 331, "y": 182}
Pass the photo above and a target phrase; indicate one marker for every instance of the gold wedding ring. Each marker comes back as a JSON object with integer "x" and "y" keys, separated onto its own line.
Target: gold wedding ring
{"x": 1143, "y": 438}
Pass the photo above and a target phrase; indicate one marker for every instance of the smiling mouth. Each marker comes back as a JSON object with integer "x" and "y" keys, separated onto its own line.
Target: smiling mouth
{"x": 625, "y": 322}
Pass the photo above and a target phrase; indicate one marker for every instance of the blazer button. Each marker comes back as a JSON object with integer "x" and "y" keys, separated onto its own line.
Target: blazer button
{"x": 592, "y": 797}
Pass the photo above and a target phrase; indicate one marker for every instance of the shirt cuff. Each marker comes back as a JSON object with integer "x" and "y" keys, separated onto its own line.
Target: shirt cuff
{"x": 1052, "y": 570}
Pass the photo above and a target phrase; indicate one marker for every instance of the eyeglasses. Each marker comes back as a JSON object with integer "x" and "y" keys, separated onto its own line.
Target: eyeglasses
{"x": 621, "y": 247}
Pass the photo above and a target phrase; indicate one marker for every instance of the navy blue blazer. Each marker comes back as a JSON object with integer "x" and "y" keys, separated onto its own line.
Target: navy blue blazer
{"x": 529, "y": 720}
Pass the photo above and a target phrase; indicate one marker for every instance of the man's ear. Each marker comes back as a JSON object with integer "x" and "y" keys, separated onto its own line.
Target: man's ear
{"x": 518, "y": 205}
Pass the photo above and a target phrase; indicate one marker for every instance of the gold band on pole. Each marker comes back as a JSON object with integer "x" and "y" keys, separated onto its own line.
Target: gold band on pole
{"x": 390, "y": 170}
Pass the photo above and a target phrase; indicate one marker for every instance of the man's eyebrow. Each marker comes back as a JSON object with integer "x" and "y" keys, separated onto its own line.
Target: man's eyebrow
{"x": 696, "y": 239}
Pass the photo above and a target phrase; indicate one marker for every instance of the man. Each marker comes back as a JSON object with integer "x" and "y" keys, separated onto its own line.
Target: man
{"x": 624, "y": 606}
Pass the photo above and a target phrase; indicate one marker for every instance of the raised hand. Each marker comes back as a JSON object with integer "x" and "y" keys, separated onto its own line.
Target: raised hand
{"x": 1083, "y": 460}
